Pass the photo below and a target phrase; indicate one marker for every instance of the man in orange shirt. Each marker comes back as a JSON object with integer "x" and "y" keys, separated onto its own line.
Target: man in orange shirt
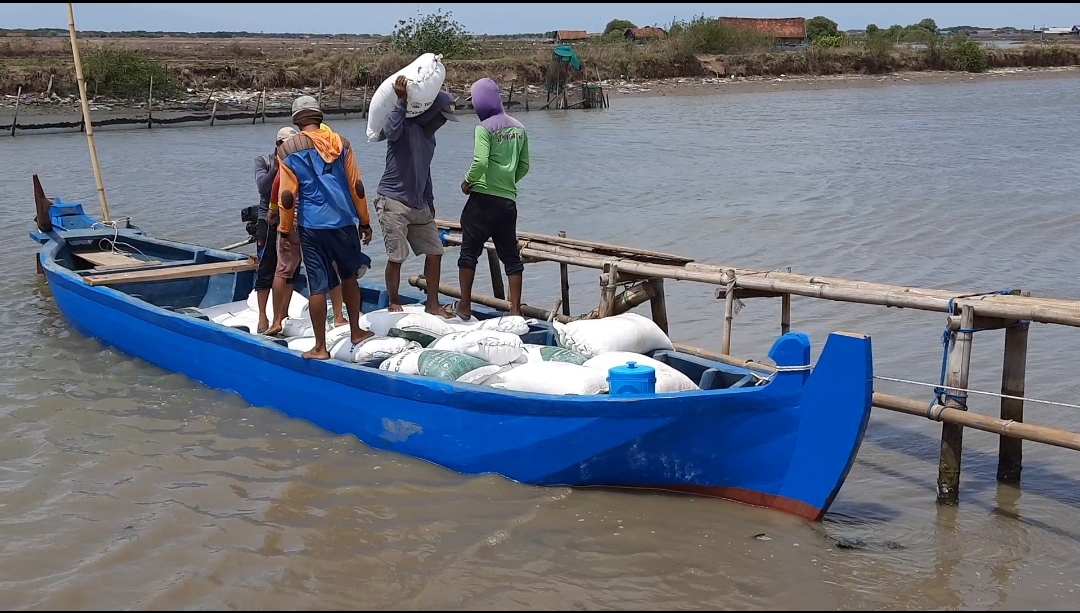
{"x": 322, "y": 200}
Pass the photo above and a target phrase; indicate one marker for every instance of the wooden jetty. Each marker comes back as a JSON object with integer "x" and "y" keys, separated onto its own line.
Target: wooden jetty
{"x": 641, "y": 274}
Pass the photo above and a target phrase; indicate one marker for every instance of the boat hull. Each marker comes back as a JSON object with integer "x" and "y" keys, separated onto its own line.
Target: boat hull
{"x": 786, "y": 445}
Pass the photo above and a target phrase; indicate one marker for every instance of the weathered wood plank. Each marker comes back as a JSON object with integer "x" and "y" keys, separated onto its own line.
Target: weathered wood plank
{"x": 180, "y": 272}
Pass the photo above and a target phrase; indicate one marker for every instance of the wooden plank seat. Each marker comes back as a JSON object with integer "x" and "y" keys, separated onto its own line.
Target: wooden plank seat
{"x": 175, "y": 272}
{"x": 107, "y": 260}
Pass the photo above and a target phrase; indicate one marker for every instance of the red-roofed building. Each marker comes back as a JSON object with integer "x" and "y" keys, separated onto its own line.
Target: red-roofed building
{"x": 788, "y": 31}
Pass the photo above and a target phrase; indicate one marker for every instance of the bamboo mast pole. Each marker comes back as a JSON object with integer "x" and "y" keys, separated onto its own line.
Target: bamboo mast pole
{"x": 86, "y": 114}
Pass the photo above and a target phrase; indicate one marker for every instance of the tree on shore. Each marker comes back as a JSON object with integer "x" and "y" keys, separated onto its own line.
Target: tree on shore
{"x": 618, "y": 25}
{"x": 433, "y": 33}
{"x": 820, "y": 26}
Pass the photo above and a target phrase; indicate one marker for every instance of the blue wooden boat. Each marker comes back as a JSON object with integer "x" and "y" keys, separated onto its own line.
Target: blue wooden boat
{"x": 785, "y": 442}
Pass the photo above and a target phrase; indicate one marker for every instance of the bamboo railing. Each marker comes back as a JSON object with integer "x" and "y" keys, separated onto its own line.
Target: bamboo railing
{"x": 966, "y": 312}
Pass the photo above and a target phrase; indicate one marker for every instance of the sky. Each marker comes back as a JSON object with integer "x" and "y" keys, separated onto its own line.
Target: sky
{"x": 511, "y": 18}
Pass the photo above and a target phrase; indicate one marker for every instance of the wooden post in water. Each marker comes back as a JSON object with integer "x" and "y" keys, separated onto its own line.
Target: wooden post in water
{"x": 262, "y": 97}
{"x": 564, "y": 278}
{"x": 255, "y": 113}
{"x": 952, "y": 435}
{"x": 728, "y": 277}
{"x": 497, "y": 286}
{"x": 213, "y": 113}
{"x": 15, "y": 120}
{"x": 48, "y": 88}
{"x": 340, "y": 90}
{"x": 363, "y": 112}
{"x": 527, "y": 101}
{"x": 318, "y": 98}
{"x": 608, "y": 282}
{"x": 785, "y": 311}
{"x": 86, "y": 114}
{"x": 658, "y": 304}
{"x": 510, "y": 95}
{"x": 1013, "y": 374}
{"x": 150, "y": 105}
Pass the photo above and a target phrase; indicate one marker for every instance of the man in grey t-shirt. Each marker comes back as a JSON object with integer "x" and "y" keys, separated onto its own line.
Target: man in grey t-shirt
{"x": 404, "y": 202}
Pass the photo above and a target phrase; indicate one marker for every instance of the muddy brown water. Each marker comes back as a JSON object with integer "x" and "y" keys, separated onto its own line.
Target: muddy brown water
{"x": 125, "y": 486}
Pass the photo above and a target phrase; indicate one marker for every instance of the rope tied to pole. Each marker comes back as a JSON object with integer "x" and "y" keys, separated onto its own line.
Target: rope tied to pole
{"x": 948, "y": 337}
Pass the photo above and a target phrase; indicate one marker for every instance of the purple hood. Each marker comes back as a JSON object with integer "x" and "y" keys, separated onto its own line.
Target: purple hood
{"x": 487, "y": 101}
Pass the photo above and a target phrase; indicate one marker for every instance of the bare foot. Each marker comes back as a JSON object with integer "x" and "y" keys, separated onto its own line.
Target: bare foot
{"x": 364, "y": 335}
{"x": 264, "y": 324}
{"x": 394, "y": 307}
{"x": 440, "y": 311}
{"x": 315, "y": 354}
{"x": 340, "y": 322}
{"x": 273, "y": 330}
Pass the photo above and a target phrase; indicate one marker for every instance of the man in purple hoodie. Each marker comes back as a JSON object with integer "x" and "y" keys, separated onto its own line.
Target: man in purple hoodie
{"x": 500, "y": 160}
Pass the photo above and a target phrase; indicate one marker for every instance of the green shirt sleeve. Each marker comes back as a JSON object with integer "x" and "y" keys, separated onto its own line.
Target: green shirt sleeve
{"x": 481, "y": 155}
{"x": 523, "y": 160}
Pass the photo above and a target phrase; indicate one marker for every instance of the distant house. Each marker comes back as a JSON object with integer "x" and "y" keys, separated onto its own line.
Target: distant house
{"x": 643, "y": 34}
{"x": 789, "y": 31}
{"x": 569, "y": 36}
{"x": 1060, "y": 31}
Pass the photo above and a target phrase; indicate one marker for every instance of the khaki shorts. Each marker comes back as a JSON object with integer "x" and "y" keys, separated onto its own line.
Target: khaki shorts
{"x": 288, "y": 256}
{"x": 403, "y": 227}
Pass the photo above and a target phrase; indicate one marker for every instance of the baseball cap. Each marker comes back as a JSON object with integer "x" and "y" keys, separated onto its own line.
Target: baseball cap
{"x": 285, "y": 133}
{"x": 305, "y": 103}
{"x": 443, "y": 102}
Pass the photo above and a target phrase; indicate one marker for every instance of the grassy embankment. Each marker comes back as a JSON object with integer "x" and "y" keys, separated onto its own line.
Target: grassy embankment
{"x": 122, "y": 67}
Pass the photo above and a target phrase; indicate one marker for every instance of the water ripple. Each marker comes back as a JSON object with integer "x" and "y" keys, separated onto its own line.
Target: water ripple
{"x": 123, "y": 486}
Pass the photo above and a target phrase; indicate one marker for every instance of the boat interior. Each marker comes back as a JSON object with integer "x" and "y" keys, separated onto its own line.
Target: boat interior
{"x": 186, "y": 278}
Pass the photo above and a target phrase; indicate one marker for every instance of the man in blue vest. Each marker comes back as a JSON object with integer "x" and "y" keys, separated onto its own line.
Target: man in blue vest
{"x": 322, "y": 200}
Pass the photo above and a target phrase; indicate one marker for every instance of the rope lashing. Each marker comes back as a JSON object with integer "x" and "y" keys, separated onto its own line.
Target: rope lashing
{"x": 942, "y": 393}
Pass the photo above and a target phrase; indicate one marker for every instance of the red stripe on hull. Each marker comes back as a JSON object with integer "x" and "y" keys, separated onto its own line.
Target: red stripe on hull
{"x": 751, "y": 497}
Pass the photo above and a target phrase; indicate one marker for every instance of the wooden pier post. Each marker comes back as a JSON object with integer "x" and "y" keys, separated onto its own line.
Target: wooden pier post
{"x": 15, "y": 120}
{"x": 728, "y": 277}
{"x": 658, "y": 304}
{"x": 213, "y": 113}
{"x": 363, "y": 112}
{"x": 785, "y": 313}
{"x": 510, "y": 95}
{"x": 564, "y": 279}
{"x": 497, "y": 287}
{"x": 527, "y": 110}
{"x": 318, "y": 98}
{"x": 1013, "y": 374}
{"x": 262, "y": 97}
{"x": 48, "y": 88}
{"x": 608, "y": 281}
{"x": 952, "y": 435}
{"x": 150, "y": 105}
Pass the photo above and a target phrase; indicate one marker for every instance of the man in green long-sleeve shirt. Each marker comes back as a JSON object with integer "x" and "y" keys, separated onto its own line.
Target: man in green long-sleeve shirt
{"x": 500, "y": 160}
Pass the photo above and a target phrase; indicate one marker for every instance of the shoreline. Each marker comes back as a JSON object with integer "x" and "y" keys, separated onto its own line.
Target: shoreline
{"x": 67, "y": 108}
{"x": 690, "y": 86}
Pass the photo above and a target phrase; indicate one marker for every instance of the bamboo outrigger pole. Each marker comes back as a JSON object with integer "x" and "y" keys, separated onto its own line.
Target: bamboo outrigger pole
{"x": 86, "y": 113}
